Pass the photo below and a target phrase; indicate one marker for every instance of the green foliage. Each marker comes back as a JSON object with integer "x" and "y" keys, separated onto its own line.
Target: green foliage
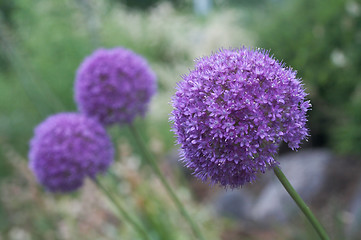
{"x": 5, "y": 167}
{"x": 142, "y": 4}
{"x": 321, "y": 39}
{"x": 7, "y": 7}
{"x": 240, "y": 3}
{"x": 45, "y": 48}
{"x": 146, "y": 4}
{"x": 44, "y": 55}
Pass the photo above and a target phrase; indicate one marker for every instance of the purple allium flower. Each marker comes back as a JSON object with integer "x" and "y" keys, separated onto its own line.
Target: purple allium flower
{"x": 114, "y": 85}
{"x": 233, "y": 110}
{"x": 66, "y": 148}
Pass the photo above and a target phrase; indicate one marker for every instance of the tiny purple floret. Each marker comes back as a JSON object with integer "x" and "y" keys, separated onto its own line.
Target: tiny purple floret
{"x": 114, "y": 85}
{"x": 66, "y": 148}
{"x": 232, "y": 112}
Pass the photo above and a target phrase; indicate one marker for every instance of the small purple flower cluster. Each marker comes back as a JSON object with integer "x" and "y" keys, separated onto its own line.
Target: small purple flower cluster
{"x": 66, "y": 148}
{"x": 233, "y": 110}
{"x": 114, "y": 85}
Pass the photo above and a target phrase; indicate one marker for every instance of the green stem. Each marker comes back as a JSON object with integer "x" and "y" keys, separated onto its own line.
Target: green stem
{"x": 122, "y": 210}
{"x": 153, "y": 164}
{"x": 301, "y": 204}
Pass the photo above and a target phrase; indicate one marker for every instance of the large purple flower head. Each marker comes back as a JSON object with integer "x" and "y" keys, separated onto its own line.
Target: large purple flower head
{"x": 233, "y": 110}
{"x": 114, "y": 85}
{"x": 66, "y": 148}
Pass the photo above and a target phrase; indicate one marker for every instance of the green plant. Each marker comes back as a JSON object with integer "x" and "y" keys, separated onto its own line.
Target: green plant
{"x": 323, "y": 40}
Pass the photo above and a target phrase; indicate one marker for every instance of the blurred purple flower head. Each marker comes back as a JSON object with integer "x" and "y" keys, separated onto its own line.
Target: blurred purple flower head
{"x": 66, "y": 148}
{"x": 114, "y": 85}
{"x": 233, "y": 110}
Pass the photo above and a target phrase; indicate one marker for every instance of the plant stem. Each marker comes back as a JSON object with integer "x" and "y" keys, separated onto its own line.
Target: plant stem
{"x": 122, "y": 210}
{"x": 153, "y": 164}
{"x": 300, "y": 203}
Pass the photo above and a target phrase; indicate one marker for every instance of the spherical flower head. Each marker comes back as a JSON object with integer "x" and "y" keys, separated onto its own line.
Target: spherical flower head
{"x": 114, "y": 85}
{"x": 66, "y": 148}
{"x": 233, "y": 110}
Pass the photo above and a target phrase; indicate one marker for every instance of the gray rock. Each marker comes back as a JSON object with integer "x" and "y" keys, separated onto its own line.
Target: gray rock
{"x": 306, "y": 171}
{"x": 354, "y": 228}
{"x": 233, "y": 204}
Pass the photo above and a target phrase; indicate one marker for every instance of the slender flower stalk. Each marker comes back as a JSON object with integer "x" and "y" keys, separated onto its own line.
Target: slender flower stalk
{"x": 301, "y": 204}
{"x": 151, "y": 161}
{"x": 124, "y": 214}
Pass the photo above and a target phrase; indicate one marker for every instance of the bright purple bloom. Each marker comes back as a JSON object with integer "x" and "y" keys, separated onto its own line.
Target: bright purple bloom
{"x": 66, "y": 148}
{"x": 114, "y": 85}
{"x": 232, "y": 112}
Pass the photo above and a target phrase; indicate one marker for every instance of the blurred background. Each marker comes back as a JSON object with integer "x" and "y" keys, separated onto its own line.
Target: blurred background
{"x": 42, "y": 43}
